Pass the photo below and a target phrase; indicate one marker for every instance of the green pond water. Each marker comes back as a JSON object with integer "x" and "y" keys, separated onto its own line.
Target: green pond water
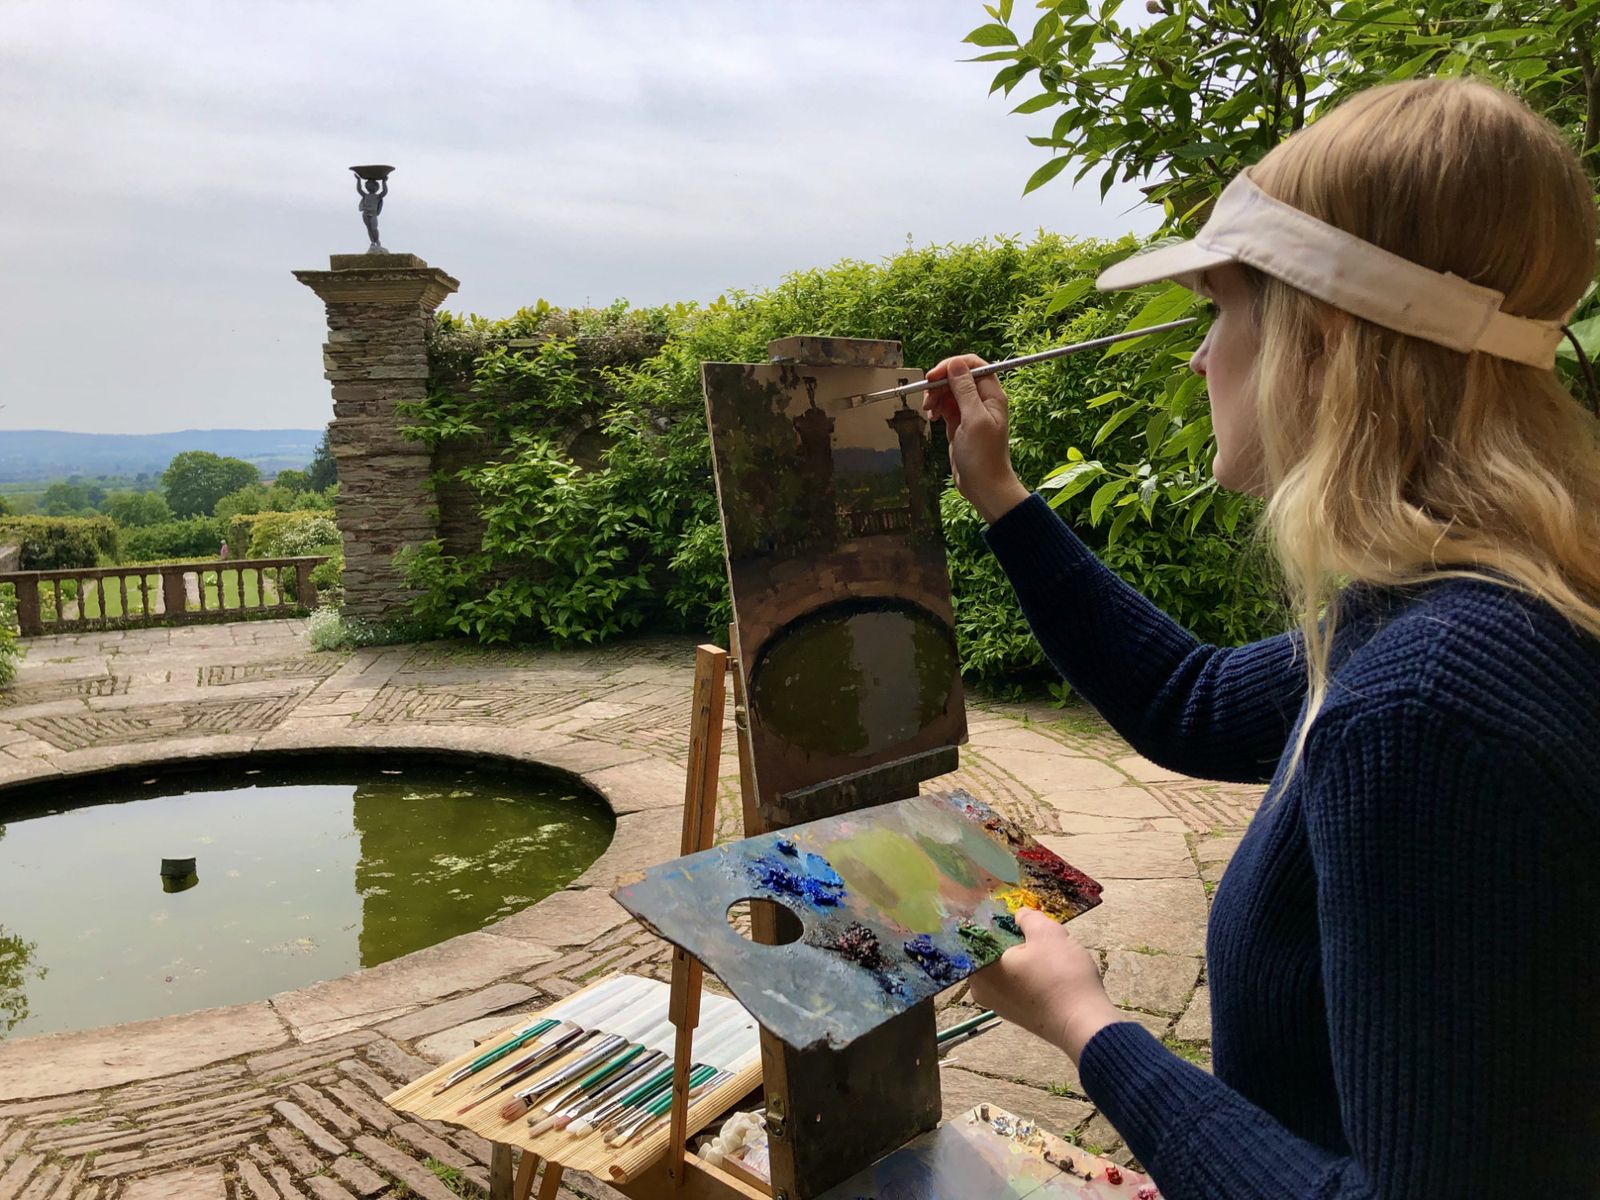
{"x": 304, "y": 873}
{"x": 855, "y": 682}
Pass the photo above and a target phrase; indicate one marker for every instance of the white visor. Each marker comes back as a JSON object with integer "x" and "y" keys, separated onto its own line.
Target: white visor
{"x": 1249, "y": 226}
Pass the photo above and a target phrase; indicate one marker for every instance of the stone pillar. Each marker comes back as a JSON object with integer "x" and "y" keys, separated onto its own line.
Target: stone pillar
{"x": 379, "y": 309}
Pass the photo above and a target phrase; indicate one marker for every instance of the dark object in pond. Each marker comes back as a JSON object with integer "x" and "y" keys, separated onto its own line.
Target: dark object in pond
{"x": 178, "y": 874}
{"x": 177, "y": 868}
{"x": 785, "y": 846}
{"x": 860, "y": 944}
{"x": 938, "y": 964}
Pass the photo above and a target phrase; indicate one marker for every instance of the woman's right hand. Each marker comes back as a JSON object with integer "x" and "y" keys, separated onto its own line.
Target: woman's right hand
{"x": 974, "y": 416}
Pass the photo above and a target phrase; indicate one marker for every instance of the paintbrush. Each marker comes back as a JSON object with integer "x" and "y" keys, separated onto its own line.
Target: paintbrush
{"x": 577, "y": 1018}
{"x": 715, "y": 1045}
{"x": 572, "y": 1042}
{"x": 570, "y": 1038}
{"x": 721, "y": 1028}
{"x": 975, "y": 1025}
{"x": 630, "y": 1042}
{"x": 495, "y": 1055}
{"x": 592, "y": 1101}
{"x": 640, "y": 1026}
{"x": 588, "y": 1002}
{"x": 659, "y": 1106}
{"x": 1026, "y": 360}
{"x": 605, "y": 1048}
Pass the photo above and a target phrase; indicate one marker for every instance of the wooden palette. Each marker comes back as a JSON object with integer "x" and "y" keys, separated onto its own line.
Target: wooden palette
{"x": 898, "y": 902}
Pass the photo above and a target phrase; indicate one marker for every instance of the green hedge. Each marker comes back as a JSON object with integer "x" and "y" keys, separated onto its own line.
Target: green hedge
{"x": 192, "y": 537}
{"x": 60, "y": 543}
{"x": 601, "y": 513}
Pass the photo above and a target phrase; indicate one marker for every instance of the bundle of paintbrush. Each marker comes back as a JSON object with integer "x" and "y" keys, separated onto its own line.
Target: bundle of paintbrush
{"x": 593, "y": 1076}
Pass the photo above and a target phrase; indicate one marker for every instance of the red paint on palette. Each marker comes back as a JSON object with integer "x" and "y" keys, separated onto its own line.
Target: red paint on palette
{"x": 1049, "y": 863}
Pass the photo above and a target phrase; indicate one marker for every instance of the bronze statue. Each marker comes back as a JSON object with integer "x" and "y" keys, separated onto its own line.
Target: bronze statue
{"x": 372, "y": 185}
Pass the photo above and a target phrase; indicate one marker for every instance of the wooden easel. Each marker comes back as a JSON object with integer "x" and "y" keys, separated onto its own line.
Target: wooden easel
{"x": 827, "y": 1115}
{"x": 679, "y": 1173}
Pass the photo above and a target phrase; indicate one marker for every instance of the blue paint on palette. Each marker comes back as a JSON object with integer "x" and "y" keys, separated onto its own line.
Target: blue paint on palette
{"x": 815, "y": 881}
{"x": 939, "y": 964}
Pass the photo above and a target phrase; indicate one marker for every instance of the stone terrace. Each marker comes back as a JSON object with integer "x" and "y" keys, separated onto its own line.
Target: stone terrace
{"x": 281, "y": 1099}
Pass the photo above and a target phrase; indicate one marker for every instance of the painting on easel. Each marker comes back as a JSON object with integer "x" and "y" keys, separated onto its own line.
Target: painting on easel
{"x": 842, "y": 596}
{"x": 897, "y": 902}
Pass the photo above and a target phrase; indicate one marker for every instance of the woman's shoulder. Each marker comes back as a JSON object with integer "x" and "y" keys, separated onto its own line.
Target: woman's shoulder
{"x": 1484, "y": 653}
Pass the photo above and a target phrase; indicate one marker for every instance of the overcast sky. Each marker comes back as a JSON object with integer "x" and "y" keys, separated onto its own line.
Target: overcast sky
{"x": 167, "y": 165}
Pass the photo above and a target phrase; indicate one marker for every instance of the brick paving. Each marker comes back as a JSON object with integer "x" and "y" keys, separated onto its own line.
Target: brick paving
{"x": 282, "y": 1099}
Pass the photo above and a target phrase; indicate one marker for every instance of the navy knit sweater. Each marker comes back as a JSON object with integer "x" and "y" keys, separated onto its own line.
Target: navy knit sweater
{"x": 1404, "y": 954}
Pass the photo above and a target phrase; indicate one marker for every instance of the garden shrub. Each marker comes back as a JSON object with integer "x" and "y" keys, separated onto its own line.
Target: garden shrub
{"x": 192, "y": 537}
{"x": 287, "y": 534}
{"x": 61, "y": 543}
{"x": 600, "y": 509}
{"x": 8, "y": 635}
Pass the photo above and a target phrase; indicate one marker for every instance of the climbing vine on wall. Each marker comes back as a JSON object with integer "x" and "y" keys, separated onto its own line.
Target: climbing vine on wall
{"x": 593, "y": 477}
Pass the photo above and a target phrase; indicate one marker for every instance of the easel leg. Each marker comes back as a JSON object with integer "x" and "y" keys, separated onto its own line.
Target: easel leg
{"x": 525, "y": 1170}
{"x": 551, "y": 1183}
{"x": 500, "y": 1172}
{"x": 699, "y": 829}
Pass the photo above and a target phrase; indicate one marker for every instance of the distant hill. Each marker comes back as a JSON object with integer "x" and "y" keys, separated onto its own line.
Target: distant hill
{"x": 43, "y": 454}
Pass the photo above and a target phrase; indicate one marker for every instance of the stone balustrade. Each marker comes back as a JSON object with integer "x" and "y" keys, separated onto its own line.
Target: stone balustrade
{"x": 81, "y": 598}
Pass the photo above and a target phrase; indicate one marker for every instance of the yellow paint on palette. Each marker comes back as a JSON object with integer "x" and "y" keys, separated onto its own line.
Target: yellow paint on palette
{"x": 1019, "y": 897}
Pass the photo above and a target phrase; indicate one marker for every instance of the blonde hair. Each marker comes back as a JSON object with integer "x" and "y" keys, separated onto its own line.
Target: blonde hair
{"x": 1393, "y": 461}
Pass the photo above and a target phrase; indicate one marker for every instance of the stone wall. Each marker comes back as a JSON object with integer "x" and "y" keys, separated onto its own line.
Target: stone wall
{"x": 379, "y": 309}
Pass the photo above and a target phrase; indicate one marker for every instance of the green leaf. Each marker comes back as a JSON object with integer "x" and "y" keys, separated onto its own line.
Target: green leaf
{"x": 1045, "y": 174}
{"x": 1042, "y": 101}
{"x": 1106, "y": 493}
{"x": 1067, "y": 294}
{"x": 991, "y": 35}
{"x": 1114, "y": 420}
{"x": 1588, "y": 334}
{"x": 1167, "y": 306}
{"x": 1121, "y": 523}
{"x": 1411, "y": 66}
{"x": 1071, "y": 479}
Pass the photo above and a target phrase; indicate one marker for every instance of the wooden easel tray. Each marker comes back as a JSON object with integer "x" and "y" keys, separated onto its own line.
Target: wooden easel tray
{"x": 588, "y": 1153}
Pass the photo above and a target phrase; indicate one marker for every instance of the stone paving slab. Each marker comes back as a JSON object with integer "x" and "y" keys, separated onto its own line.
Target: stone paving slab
{"x": 281, "y": 1099}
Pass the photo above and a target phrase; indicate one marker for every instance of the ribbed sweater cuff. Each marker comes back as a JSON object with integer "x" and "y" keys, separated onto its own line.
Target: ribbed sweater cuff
{"x": 1032, "y": 540}
{"x": 1142, "y": 1087}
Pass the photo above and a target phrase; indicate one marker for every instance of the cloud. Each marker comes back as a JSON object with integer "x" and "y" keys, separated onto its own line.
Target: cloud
{"x": 170, "y": 164}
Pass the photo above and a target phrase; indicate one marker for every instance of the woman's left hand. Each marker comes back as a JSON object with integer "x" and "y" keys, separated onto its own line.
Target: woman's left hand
{"x": 1050, "y": 986}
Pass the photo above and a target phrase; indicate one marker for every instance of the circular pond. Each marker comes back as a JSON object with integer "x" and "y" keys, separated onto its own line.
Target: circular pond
{"x": 304, "y": 870}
